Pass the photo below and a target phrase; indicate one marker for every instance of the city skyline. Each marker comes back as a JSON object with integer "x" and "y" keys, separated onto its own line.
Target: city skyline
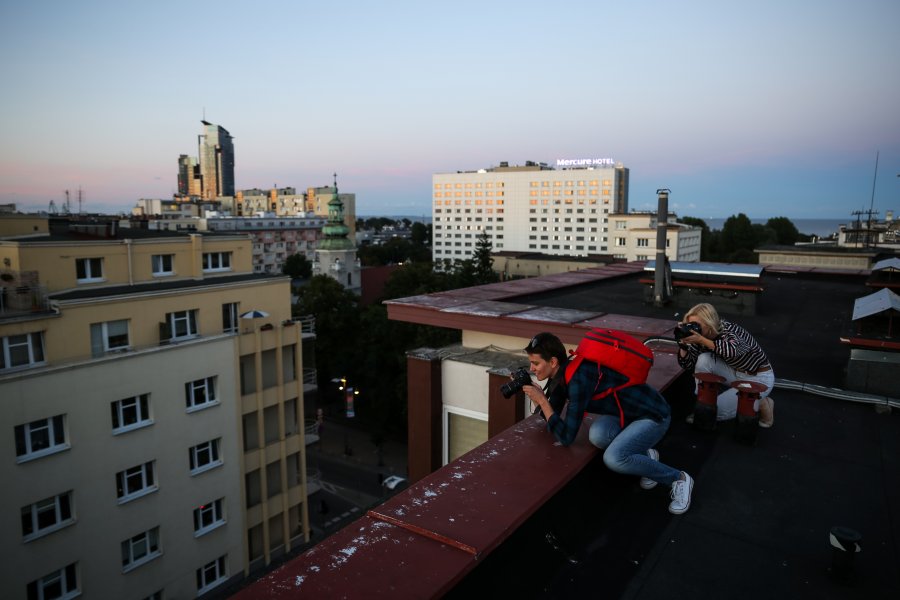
{"x": 766, "y": 109}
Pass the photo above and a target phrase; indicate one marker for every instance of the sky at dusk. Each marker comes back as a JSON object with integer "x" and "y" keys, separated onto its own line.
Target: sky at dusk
{"x": 770, "y": 108}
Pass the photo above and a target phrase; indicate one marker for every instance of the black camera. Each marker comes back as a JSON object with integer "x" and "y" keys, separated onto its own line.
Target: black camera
{"x": 520, "y": 379}
{"x": 683, "y": 330}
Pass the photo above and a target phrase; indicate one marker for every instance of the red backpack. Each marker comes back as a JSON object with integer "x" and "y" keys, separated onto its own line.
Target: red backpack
{"x": 617, "y": 351}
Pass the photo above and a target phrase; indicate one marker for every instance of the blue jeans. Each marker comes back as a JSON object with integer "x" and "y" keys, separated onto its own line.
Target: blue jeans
{"x": 626, "y": 449}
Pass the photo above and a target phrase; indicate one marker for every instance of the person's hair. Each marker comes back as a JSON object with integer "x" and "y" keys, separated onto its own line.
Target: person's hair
{"x": 706, "y": 313}
{"x": 547, "y": 345}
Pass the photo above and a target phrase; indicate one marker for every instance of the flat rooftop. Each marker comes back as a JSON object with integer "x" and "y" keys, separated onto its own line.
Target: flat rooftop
{"x": 760, "y": 515}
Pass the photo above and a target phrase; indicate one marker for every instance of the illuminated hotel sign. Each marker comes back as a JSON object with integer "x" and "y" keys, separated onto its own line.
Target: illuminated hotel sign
{"x": 585, "y": 162}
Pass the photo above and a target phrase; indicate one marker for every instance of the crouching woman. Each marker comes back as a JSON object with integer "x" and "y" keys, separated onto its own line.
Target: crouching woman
{"x": 628, "y": 424}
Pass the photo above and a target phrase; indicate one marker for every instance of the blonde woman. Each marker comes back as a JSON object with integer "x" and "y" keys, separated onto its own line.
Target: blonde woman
{"x": 728, "y": 350}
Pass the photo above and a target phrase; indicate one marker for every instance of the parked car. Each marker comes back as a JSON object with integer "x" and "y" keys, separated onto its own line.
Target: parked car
{"x": 394, "y": 483}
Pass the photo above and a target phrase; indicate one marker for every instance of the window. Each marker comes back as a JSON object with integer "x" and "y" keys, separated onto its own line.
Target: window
{"x": 140, "y": 549}
{"x": 109, "y": 337}
{"x": 205, "y": 456}
{"x": 40, "y": 438}
{"x": 200, "y": 394}
{"x": 180, "y": 325}
{"x": 162, "y": 264}
{"x": 135, "y": 482}
{"x": 58, "y": 585}
{"x": 620, "y": 225}
{"x": 88, "y": 270}
{"x": 217, "y": 261}
{"x": 208, "y": 517}
{"x": 643, "y": 242}
{"x": 131, "y": 413}
{"x": 230, "y": 317}
{"x": 210, "y": 575}
{"x": 22, "y": 350}
{"x": 620, "y": 241}
{"x": 46, "y": 516}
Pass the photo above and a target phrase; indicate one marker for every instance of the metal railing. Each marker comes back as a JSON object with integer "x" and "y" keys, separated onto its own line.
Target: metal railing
{"x": 307, "y": 323}
{"x": 309, "y": 376}
{"x": 23, "y": 299}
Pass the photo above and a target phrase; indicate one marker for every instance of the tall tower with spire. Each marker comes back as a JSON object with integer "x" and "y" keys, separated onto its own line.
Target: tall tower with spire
{"x": 336, "y": 254}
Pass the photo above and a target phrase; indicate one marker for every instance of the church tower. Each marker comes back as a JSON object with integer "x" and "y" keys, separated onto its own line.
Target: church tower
{"x": 336, "y": 254}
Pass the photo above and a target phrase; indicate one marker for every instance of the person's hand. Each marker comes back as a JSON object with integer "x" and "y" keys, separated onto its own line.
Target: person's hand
{"x": 534, "y": 393}
{"x": 699, "y": 340}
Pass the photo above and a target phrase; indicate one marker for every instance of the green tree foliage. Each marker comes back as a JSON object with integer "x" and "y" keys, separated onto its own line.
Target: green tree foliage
{"x": 337, "y": 321}
{"x": 785, "y": 231}
{"x": 482, "y": 261}
{"x": 394, "y": 251}
{"x": 296, "y": 266}
{"x": 413, "y": 279}
{"x": 420, "y": 234}
{"x": 737, "y": 235}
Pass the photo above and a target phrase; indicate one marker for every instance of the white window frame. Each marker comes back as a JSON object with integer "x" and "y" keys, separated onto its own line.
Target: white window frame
{"x": 88, "y": 266}
{"x": 189, "y": 317}
{"x": 211, "y": 574}
{"x": 621, "y": 242}
{"x": 67, "y": 577}
{"x": 122, "y": 411}
{"x": 57, "y": 438}
{"x": 445, "y": 425}
{"x": 61, "y": 508}
{"x": 33, "y": 341}
{"x": 158, "y": 266}
{"x": 214, "y": 262}
{"x": 208, "y": 517}
{"x": 200, "y": 394}
{"x": 102, "y": 330}
{"x": 140, "y": 549}
{"x": 643, "y": 242}
{"x": 147, "y": 474}
{"x": 209, "y": 453}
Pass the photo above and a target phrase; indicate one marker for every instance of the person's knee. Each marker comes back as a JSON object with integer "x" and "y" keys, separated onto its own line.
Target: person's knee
{"x": 705, "y": 362}
{"x": 599, "y": 435}
{"x": 613, "y": 461}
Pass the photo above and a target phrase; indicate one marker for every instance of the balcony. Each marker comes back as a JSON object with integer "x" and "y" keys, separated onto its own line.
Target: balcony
{"x": 21, "y": 300}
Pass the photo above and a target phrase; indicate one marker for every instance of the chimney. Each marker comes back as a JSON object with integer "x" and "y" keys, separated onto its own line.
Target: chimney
{"x": 662, "y": 282}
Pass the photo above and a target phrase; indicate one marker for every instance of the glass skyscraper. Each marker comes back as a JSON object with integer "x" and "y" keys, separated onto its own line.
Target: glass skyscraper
{"x": 216, "y": 161}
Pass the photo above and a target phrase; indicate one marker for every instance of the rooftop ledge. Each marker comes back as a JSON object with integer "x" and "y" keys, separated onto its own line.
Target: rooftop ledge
{"x": 445, "y": 525}
{"x": 441, "y": 528}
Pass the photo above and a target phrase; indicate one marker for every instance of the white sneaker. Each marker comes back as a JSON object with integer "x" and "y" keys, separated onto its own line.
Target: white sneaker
{"x": 681, "y": 495}
{"x": 646, "y": 482}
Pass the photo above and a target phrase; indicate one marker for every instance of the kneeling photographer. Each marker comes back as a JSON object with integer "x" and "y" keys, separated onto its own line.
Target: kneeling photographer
{"x": 628, "y": 425}
{"x": 709, "y": 344}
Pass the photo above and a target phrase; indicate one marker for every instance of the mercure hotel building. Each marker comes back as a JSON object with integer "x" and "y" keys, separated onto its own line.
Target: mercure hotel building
{"x": 557, "y": 210}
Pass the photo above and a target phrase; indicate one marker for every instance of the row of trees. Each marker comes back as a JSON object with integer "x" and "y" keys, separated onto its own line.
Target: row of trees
{"x": 738, "y": 237}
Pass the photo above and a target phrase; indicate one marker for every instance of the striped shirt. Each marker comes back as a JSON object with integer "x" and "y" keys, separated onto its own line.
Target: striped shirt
{"x": 736, "y": 346}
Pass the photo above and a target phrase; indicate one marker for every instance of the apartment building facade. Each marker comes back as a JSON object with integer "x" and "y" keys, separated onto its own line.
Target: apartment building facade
{"x": 535, "y": 207}
{"x": 275, "y": 237}
{"x": 634, "y": 234}
{"x": 154, "y": 438}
